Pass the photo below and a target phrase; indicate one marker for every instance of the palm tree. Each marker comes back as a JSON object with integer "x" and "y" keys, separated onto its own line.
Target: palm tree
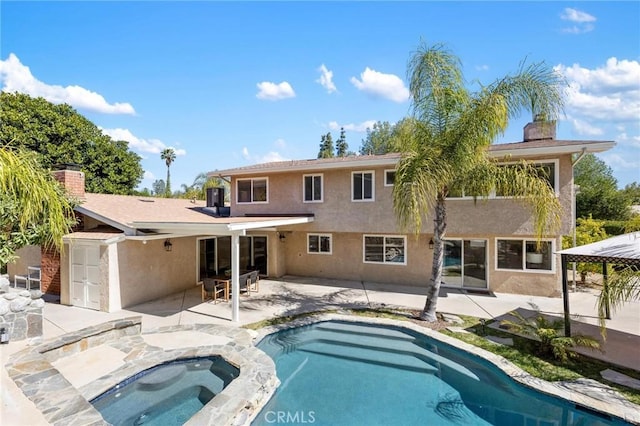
{"x": 448, "y": 149}
{"x": 33, "y": 208}
{"x": 547, "y": 333}
{"x": 168, "y": 155}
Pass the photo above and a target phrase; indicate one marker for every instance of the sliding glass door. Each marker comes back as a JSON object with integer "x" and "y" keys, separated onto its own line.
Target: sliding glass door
{"x": 214, "y": 255}
{"x": 465, "y": 263}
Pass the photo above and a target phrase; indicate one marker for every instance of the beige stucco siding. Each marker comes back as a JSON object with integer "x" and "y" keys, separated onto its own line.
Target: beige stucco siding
{"x": 337, "y": 213}
{"x": 148, "y": 272}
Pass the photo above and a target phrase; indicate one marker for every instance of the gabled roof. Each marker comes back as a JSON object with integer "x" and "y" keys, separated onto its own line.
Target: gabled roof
{"x": 538, "y": 148}
{"x": 621, "y": 249}
{"x": 143, "y": 215}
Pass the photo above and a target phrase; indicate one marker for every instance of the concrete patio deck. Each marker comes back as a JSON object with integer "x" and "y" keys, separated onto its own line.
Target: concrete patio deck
{"x": 292, "y": 295}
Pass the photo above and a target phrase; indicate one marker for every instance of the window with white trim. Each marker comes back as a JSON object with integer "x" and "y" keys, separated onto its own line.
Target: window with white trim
{"x": 252, "y": 190}
{"x": 362, "y": 186}
{"x": 546, "y": 169}
{"x": 384, "y": 249}
{"x": 312, "y": 188}
{"x": 524, "y": 255}
{"x": 389, "y": 177}
{"x": 319, "y": 243}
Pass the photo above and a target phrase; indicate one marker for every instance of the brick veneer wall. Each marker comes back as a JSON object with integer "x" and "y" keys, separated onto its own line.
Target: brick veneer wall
{"x": 73, "y": 183}
{"x": 50, "y": 271}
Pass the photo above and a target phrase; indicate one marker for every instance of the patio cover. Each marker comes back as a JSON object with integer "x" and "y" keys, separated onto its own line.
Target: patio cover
{"x": 621, "y": 250}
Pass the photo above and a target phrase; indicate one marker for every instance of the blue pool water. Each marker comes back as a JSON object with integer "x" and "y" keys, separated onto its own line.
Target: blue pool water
{"x": 344, "y": 373}
{"x": 167, "y": 394}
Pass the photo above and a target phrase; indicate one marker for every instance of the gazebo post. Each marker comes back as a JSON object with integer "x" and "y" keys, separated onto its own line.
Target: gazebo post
{"x": 565, "y": 296}
{"x": 605, "y": 290}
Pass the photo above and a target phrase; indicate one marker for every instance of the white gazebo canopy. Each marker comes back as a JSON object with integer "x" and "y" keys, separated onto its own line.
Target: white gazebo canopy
{"x": 621, "y": 250}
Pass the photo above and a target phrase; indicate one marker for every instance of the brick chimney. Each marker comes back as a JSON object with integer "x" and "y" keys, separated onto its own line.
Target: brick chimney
{"x": 539, "y": 130}
{"x": 71, "y": 178}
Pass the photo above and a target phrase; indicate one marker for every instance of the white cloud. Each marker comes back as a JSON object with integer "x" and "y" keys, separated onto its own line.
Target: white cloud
{"x": 274, "y": 92}
{"x": 482, "y": 67}
{"x": 583, "y": 22}
{"x": 16, "y": 77}
{"x": 266, "y": 158}
{"x": 153, "y": 146}
{"x": 388, "y": 86}
{"x": 616, "y": 161}
{"x": 280, "y": 143}
{"x": 575, "y": 15}
{"x": 148, "y": 175}
{"x": 584, "y": 128}
{"x": 326, "y": 79}
{"x": 270, "y": 157}
{"x": 608, "y": 93}
{"x": 362, "y": 127}
{"x": 633, "y": 141}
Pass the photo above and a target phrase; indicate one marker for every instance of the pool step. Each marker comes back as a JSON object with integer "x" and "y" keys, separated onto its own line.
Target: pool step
{"x": 368, "y": 356}
{"x": 360, "y": 329}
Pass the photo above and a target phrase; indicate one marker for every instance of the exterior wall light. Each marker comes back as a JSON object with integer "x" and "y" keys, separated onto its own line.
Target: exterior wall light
{"x": 167, "y": 245}
{"x": 431, "y": 244}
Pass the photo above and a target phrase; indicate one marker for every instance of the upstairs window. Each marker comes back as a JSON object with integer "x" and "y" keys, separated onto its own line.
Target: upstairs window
{"x": 312, "y": 188}
{"x": 252, "y": 190}
{"x": 362, "y": 186}
{"x": 389, "y": 177}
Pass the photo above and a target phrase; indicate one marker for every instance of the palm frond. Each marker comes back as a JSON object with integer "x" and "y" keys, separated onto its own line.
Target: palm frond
{"x": 40, "y": 198}
{"x": 621, "y": 287}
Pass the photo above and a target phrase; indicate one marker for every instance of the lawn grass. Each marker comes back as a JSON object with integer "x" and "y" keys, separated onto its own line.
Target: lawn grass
{"x": 521, "y": 354}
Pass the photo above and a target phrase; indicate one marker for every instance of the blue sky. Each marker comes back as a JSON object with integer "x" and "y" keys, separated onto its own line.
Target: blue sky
{"x": 229, "y": 84}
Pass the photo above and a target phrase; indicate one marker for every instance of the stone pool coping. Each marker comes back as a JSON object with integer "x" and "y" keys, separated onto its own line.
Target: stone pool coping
{"x": 63, "y": 404}
{"x": 585, "y": 392}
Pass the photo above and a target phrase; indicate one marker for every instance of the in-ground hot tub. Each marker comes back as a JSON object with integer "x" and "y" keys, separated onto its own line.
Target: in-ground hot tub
{"x": 167, "y": 394}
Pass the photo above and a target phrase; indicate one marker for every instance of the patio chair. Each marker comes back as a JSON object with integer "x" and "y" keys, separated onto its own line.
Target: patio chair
{"x": 254, "y": 281}
{"x": 34, "y": 276}
{"x": 214, "y": 289}
{"x": 22, "y": 279}
{"x": 245, "y": 282}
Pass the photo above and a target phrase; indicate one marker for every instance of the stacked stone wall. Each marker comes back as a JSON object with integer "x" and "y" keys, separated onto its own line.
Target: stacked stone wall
{"x": 20, "y": 311}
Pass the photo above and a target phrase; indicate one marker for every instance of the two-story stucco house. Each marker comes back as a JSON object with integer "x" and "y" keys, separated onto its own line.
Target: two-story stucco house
{"x": 354, "y": 235}
{"x": 328, "y": 218}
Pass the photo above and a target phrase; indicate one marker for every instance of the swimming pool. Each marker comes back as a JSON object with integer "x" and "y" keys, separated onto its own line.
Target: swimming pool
{"x": 352, "y": 373}
{"x": 167, "y": 394}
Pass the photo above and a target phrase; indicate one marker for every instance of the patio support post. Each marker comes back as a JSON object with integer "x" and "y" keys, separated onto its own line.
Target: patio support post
{"x": 565, "y": 296}
{"x": 605, "y": 290}
{"x": 235, "y": 277}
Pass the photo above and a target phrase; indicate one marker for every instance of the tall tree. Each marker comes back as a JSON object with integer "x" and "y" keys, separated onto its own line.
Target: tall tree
{"x": 326, "y": 146}
{"x": 169, "y": 156}
{"x": 632, "y": 192}
{"x": 599, "y": 195}
{"x": 449, "y": 146}
{"x": 383, "y": 137}
{"x": 58, "y": 134}
{"x": 33, "y": 207}
{"x": 342, "y": 147}
{"x": 159, "y": 188}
